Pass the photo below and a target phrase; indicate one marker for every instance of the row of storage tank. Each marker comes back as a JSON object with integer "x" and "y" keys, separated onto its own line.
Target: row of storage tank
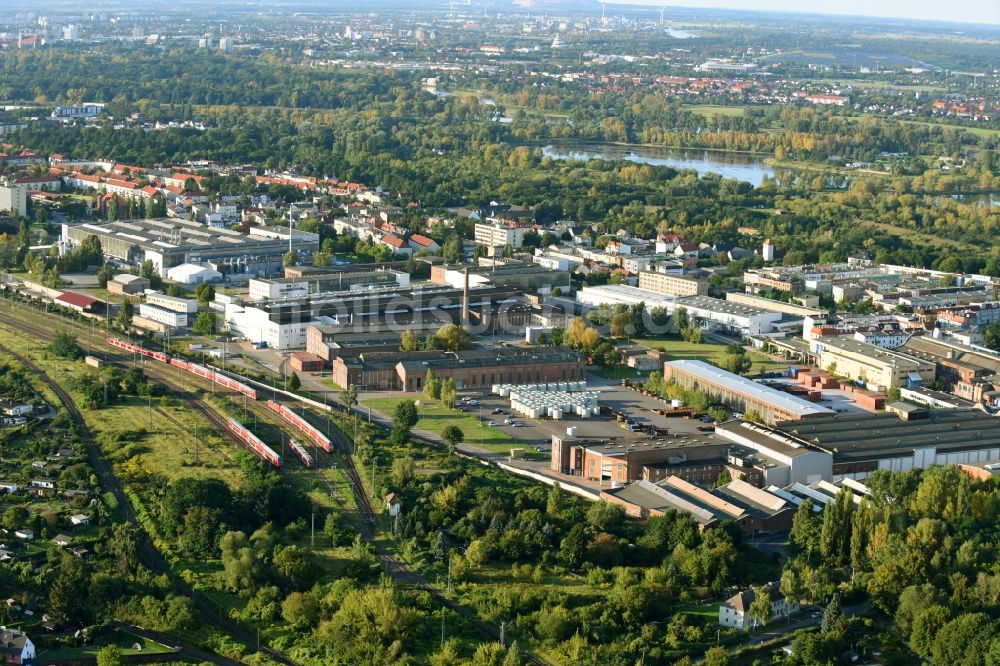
{"x": 556, "y": 405}
{"x": 503, "y": 390}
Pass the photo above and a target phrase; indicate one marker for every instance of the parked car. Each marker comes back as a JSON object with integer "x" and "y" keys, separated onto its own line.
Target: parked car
{"x": 499, "y": 411}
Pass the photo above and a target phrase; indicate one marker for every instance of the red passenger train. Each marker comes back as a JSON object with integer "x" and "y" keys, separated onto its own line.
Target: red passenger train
{"x": 194, "y": 368}
{"x": 291, "y": 417}
{"x": 255, "y": 444}
{"x": 301, "y": 452}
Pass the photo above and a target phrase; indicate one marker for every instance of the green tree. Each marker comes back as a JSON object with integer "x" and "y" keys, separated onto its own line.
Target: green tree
{"x": 806, "y": 528}
{"x": 991, "y": 336}
{"x": 835, "y": 534}
{"x": 290, "y": 258}
{"x": 409, "y": 341}
{"x": 831, "y": 615}
{"x": 926, "y": 626}
{"x": 449, "y": 393}
{"x": 294, "y": 383}
{"x": 68, "y": 593}
{"x": 432, "y": 387}
{"x": 204, "y": 323}
{"x": 349, "y": 396}
{"x": 760, "y": 608}
{"x": 204, "y": 292}
{"x": 453, "y": 436}
{"x": 64, "y": 345}
{"x": 301, "y": 610}
{"x": 574, "y": 546}
{"x": 964, "y": 641}
{"x": 453, "y": 338}
{"x": 716, "y": 656}
{"x": 110, "y": 655}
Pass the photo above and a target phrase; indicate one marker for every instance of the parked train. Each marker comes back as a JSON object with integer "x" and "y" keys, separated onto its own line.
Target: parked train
{"x": 194, "y": 368}
{"x": 255, "y": 444}
{"x": 294, "y": 419}
{"x": 301, "y": 452}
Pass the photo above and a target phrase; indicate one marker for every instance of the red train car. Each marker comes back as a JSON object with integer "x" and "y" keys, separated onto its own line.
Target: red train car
{"x": 301, "y": 452}
{"x": 291, "y": 417}
{"x": 136, "y": 349}
{"x": 255, "y": 444}
{"x": 218, "y": 378}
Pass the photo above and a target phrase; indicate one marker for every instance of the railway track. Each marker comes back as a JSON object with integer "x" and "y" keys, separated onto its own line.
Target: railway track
{"x": 151, "y": 557}
{"x": 172, "y": 378}
{"x": 395, "y": 567}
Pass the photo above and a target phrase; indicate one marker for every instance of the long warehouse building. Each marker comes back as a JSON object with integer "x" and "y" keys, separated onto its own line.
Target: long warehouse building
{"x": 172, "y": 242}
{"x": 741, "y": 393}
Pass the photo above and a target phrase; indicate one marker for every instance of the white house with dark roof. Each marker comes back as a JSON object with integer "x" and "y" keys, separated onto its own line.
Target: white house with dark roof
{"x": 16, "y": 647}
{"x": 735, "y": 611}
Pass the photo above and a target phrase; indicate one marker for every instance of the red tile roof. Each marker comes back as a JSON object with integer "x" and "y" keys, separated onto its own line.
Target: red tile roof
{"x": 393, "y": 241}
{"x": 76, "y": 300}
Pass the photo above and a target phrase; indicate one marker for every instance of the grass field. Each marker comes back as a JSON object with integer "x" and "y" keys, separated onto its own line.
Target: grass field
{"x": 718, "y": 110}
{"x": 434, "y": 417}
{"x": 122, "y": 639}
{"x": 708, "y": 352}
{"x": 917, "y": 237}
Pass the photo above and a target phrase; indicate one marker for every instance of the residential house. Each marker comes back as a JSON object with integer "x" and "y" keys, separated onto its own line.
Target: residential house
{"x": 24, "y": 534}
{"x": 735, "y": 611}
{"x": 79, "y": 520}
{"x": 16, "y": 647}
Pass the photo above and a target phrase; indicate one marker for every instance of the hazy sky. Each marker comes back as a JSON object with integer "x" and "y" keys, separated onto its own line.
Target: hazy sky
{"x": 965, "y": 11}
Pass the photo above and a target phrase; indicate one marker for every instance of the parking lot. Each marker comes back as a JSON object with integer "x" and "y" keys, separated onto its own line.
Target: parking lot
{"x": 538, "y": 432}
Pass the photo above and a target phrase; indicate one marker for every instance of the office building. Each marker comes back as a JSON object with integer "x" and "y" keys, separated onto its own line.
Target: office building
{"x": 673, "y": 285}
{"x": 14, "y": 200}
{"x": 163, "y": 316}
{"x": 495, "y": 234}
{"x": 879, "y": 368}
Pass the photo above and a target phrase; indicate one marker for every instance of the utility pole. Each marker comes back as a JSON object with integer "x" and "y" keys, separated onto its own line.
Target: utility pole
{"x": 150, "y": 412}
{"x": 503, "y": 625}
{"x": 312, "y": 531}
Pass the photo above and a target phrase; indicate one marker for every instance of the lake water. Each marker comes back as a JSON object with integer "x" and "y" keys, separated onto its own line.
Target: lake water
{"x": 680, "y": 34}
{"x": 749, "y": 168}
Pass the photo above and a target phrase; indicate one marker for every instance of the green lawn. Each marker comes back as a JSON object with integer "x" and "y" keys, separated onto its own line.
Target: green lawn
{"x": 718, "y": 110}
{"x": 119, "y": 637}
{"x": 708, "y": 352}
{"x": 434, "y": 417}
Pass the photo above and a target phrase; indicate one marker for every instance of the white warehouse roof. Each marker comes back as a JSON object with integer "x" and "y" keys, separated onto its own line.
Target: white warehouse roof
{"x": 738, "y": 384}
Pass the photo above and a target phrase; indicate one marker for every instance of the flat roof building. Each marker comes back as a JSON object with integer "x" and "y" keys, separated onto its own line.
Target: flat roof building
{"x": 742, "y": 393}
{"x": 477, "y": 368}
{"x": 877, "y": 367}
{"x": 852, "y": 446}
{"x": 714, "y": 313}
{"x": 172, "y": 242}
{"x": 673, "y": 285}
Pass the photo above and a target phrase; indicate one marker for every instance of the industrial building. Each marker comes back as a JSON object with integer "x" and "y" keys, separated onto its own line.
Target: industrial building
{"x": 127, "y": 284}
{"x": 713, "y": 313}
{"x": 172, "y": 242}
{"x": 283, "y": 324}
{"x": 852, "y": 446}
{"x": 752, "y": 509}
{"x": 741, "y": 393}
{"x": 879, "y": 368}
{"x": 697, "y": 457}
{"x": 318, "y": 283}
{"x": 528, "y": 277}
{"x": 480, "y": 368}
{"x": 329, "y": 342}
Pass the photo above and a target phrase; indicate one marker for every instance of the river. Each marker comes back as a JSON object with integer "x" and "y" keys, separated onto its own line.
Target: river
{"x": 741, "y": 166}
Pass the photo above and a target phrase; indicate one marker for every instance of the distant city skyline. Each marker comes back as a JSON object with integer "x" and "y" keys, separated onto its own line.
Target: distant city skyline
{"x": 961, "y": 11}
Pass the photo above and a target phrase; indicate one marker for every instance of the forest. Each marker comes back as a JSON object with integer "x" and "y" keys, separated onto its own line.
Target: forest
{"x": 383, "y": 129}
